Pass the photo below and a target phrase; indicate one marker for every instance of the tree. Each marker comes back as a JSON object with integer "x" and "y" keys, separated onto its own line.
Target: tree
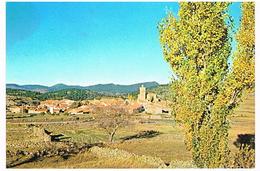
{"x": 206, "y": 89}
{"x": 76, "y": 104}
{"x": 243, "y": 75}
{"x": 130, "y": 97}
{"x": 111, "y": 118}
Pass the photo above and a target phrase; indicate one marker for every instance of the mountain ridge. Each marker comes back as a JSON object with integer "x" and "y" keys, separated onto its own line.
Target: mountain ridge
{"x": 107, "y": 88}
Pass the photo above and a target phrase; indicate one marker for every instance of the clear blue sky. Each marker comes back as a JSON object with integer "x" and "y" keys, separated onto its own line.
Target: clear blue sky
{"x": 87, "y": 43}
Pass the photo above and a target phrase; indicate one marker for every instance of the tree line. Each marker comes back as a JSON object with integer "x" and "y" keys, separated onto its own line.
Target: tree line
{"x": 72, "y": 94}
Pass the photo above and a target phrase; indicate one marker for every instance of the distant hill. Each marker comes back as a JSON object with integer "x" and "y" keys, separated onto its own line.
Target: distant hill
{"x": 22, "y": 93}
{"x": 162, "y": 91}
{"x": 115, "y": 88}
{"x": 36, "y": 88}
{"x": 104, "y": 88}
{"x": 72, "y": 94}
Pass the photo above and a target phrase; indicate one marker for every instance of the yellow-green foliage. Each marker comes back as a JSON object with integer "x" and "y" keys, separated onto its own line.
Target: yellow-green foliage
{"x": 130, "y": 97}
{"x": 244, "y": 158}
{"x": 197, "y": 45}
{"x": 244, "y": 60}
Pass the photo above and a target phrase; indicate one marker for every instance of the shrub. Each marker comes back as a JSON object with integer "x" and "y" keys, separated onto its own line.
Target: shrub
{"x": 244, "y": 158}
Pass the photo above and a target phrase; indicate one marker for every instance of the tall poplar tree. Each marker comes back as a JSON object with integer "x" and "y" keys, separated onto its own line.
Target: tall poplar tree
{"x": 197, "y": 45}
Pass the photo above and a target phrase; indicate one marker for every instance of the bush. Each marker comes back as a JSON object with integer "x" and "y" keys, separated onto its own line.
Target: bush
{"x": 244, "y": 158}
{"x": 181, "y": 164}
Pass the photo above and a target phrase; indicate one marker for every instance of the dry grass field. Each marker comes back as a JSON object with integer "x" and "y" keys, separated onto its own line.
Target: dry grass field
{"x": 243, "y": 120}
{"x": 165, "y": 149}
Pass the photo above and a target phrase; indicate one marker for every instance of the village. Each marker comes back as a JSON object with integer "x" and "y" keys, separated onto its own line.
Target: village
{"x": 65, "y": 128}
{"x": 146, "y": 103}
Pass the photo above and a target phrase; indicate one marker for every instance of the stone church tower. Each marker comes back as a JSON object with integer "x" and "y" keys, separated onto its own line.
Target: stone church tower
{"x": 142, "y": 94}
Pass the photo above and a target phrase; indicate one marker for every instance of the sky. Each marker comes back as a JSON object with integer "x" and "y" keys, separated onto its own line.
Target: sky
{"x": 87, "y": 43}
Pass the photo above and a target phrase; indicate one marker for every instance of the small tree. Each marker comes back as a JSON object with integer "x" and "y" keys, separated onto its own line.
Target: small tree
{"x": 111, "y": 118}
{"x": 76, "y": 104}
{"x": 130, "y": 97}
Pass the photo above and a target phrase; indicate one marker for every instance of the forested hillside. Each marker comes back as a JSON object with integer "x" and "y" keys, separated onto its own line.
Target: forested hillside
{"x": 72, "y": 94}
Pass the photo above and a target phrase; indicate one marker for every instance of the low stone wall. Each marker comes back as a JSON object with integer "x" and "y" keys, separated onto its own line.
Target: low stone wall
{"x": 124, "y": 155}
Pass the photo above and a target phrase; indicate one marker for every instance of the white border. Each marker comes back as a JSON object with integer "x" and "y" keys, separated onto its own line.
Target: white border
{"x": 2, "y": 87}
{"x": 3, "y": 75}
{"x": 257, "y": 77}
